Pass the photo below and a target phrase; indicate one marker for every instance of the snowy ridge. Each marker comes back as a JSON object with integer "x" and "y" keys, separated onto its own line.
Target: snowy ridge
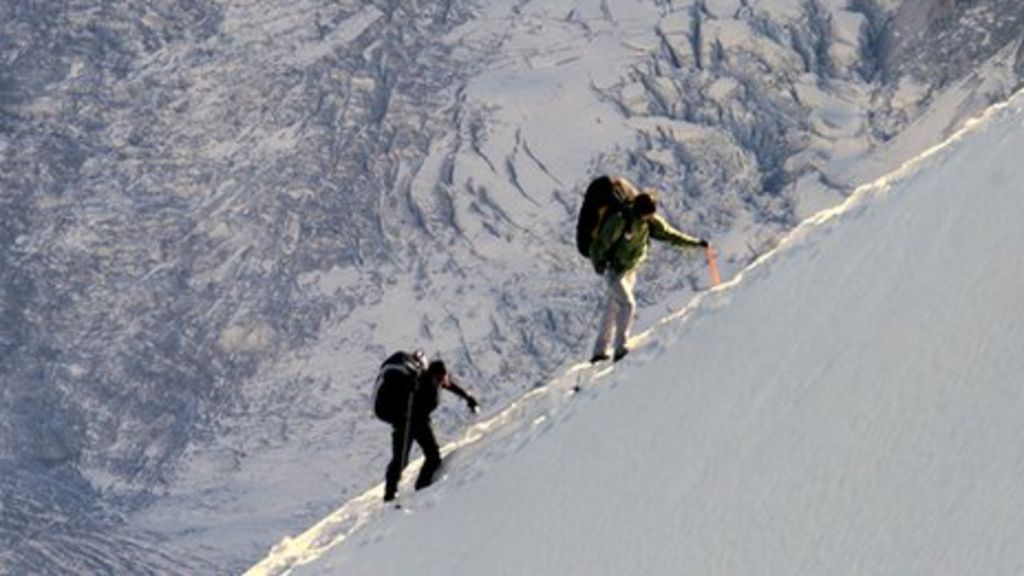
{"x": 881, "y": 435}
{"x": 533, "y": 414}
{"x": 515, "y": 423}
{"x": 867, "y": 191}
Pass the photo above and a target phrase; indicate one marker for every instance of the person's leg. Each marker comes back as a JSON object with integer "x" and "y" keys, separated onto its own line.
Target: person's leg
{"x": 400, "y": 445}
{"x": 622, "y": 292}
{"x": 608, "y": 318}
{"x": 424, "y": 436}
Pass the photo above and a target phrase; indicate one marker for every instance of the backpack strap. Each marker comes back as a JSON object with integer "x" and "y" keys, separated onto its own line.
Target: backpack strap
{"x": 625, "y": 194}
{"x": 626, "y": 211}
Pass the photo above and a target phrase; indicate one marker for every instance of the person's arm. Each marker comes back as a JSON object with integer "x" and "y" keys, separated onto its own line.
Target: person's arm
{"x": 454, "y": 388}
{"x": 663, "y": 231}
{"x": 610, "y": 231}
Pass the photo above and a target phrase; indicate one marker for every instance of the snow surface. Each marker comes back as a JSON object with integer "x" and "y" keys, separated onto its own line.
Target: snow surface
{"x": 850, "y": 404}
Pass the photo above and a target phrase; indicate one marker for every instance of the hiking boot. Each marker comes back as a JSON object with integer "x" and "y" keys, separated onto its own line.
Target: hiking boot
{"x": 620, "y": 354}
{"x": 599, "y": 357}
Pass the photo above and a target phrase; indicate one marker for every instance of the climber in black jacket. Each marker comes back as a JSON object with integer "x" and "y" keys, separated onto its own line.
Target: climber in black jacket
{"x": 408, "y": 391}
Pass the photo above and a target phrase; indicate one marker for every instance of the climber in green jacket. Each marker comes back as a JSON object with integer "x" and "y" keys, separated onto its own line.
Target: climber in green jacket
{"x": 616, "y": 253}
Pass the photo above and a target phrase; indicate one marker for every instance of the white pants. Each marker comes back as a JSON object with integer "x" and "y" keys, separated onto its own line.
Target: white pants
{"x": 619, "y": 310}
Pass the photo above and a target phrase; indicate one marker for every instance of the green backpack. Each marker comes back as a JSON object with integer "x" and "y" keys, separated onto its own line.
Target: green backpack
{"x": 605, "y": 195}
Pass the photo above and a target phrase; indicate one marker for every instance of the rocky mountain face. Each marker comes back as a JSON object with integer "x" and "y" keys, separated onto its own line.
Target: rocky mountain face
{"x": 217, "y": 217}
{"x": 941, "y": 42}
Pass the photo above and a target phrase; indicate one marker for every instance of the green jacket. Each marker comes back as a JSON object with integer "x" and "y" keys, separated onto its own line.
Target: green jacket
{"x": 623, "y": 250}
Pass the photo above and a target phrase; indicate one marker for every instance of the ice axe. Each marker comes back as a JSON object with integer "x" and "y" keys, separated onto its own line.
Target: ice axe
{"x": 712, "y": 266}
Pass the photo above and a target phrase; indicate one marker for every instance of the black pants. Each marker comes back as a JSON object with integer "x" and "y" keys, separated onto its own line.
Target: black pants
{"x": 420, "y": 432}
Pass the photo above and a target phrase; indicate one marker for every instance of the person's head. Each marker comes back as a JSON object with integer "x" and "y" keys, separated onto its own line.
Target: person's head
{"x": 437, "y": 372}
{"x": 645, "y": 205}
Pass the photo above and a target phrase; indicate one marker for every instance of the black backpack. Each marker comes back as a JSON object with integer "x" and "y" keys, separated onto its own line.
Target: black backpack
{"x": 397, "y": 380}
{"x": 605, "y": 195}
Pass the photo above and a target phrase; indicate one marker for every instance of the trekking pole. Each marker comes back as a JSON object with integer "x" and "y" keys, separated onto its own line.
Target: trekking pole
{"x": 406, "y": 432}
{"x": 712, "y": 266}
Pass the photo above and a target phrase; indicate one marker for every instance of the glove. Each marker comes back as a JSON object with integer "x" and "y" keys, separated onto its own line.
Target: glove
{"x": 599, "y": 267}
{"x": 703, "y": 243}
{"x": 473, "y": 406}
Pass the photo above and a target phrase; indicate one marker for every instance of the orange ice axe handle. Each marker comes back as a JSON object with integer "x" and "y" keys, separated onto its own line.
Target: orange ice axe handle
{"x": 712, "y": 266}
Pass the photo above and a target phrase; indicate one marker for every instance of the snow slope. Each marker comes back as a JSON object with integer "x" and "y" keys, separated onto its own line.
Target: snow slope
{"x": 851, "y": 404}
